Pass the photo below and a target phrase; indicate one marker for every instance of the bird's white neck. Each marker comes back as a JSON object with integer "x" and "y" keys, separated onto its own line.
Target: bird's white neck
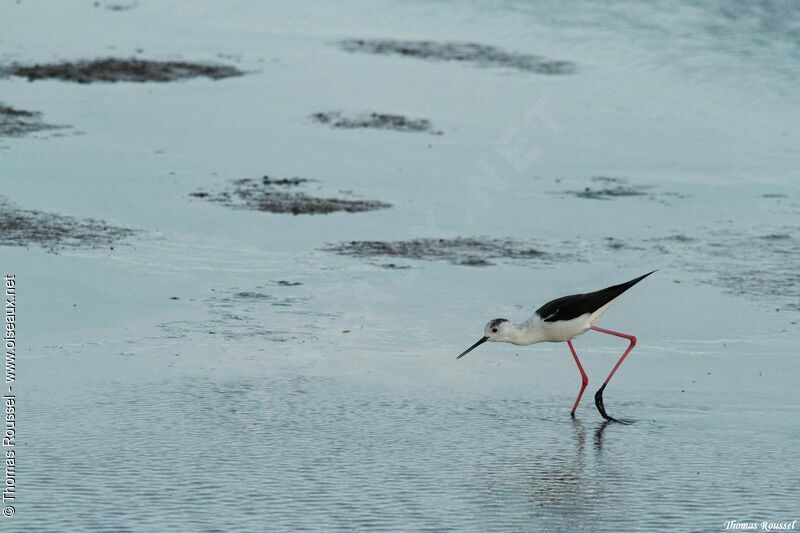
{"x": 529, "y": 332}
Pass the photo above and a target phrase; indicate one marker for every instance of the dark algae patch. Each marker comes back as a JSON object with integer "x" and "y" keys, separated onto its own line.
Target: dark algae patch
{"x": 612, "y": 188}
{"x": 121, "y": 70}
{"x": 23, "y": 227}
{"x": 459, "y": 251}
{"x": 17, "y": 122}
{"x": 605, "y": 188}
{"x": 118, "y": 7}
{"x": 474, "y": 53}
{"x": 242, "y": 314}
{"x": 282, "y": 196}
{"x": 759, "y": 262}
{"x": 378, "y": 121}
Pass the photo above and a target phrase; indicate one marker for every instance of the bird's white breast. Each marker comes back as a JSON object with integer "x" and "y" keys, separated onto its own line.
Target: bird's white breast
{"x": 565, "y": 330}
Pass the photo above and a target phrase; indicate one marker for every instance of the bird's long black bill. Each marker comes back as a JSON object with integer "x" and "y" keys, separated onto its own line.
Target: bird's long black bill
{"x": 484, "y": 339}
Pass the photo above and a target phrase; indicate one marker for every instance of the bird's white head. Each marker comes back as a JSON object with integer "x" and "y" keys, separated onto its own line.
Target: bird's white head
{"x": 497, "y": 330}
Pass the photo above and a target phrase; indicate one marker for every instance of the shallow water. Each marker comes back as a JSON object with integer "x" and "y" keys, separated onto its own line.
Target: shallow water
{"x": 321, "y": 450}
{"x": 223, "y": 369}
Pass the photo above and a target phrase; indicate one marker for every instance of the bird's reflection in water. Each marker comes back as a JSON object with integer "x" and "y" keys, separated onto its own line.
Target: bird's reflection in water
{"x": 580, "y": 436}
{"x": 550, "y": 475}
{"x": 553, "y": 476}
{"x": 598, "y": 432}
{"x": 598, "y": 435}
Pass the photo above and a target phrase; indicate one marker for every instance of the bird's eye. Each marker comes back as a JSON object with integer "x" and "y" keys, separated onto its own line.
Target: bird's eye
{"x": 494, "y": 330}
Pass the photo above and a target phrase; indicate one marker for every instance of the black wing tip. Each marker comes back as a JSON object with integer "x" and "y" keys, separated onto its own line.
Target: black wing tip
{"x": 568, "y": 307}
{"x": 634, "y": 281}
{"x": 651, "y": 272}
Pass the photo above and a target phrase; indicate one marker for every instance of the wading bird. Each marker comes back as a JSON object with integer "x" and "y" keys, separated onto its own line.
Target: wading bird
{"x": 562, "y": 320}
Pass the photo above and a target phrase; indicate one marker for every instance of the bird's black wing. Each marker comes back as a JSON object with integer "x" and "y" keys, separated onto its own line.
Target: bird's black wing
{"x": 569, "y": 307}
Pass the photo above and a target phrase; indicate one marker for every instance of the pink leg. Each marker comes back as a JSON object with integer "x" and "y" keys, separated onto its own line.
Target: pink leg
{"x": 584, "y": 378}
{"x": 598, "y": 397}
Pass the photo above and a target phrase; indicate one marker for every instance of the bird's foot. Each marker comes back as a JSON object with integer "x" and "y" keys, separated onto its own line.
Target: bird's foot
{"x": 598, "y": 401}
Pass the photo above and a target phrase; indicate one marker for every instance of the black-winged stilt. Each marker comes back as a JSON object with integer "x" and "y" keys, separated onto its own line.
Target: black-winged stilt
{"x": 561, "y": 320}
